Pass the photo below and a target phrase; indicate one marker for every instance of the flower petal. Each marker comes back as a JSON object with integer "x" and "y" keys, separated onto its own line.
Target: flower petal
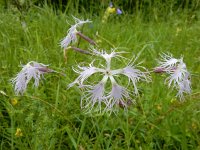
{"x": 118, "y": 94}
{"x": 135, "y": 75}
{"x": 71, "y": 35}
{"x": 85, "y": 72}
{"x": 94, "y": 95}
{"x": 29, "y": 71}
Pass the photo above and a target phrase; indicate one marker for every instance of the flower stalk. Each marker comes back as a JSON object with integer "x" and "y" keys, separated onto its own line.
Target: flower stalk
{"x": 86, "y": 38}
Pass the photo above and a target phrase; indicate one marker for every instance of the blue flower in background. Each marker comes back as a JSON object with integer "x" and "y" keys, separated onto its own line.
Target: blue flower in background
{"x": 111, "y": 4}
{"x": 119, "y": 12}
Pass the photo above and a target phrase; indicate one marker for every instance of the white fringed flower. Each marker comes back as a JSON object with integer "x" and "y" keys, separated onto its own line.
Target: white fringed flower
{"x": 30, "y": 70}
{"x": 98, "y": 94}
{"x": 179, "y": 77}
{"x": 94, "y": 95}
{"x": 85, "y": 72}
{"x": 135, "y": 75}
{"x": 184, "y": 86}
{"x": 117, "y": 95}
{"x": 72, "y": 33}
{"x": 167, "y": 62}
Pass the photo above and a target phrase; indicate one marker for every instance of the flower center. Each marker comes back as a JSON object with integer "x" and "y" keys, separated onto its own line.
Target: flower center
{"x": 108, "y": 72}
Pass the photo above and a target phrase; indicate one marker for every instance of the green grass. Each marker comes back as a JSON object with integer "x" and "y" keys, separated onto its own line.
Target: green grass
{"x": 50, "y": 116}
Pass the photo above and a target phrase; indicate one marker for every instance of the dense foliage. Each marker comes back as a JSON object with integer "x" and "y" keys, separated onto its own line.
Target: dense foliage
{"x": 49, "y": 117}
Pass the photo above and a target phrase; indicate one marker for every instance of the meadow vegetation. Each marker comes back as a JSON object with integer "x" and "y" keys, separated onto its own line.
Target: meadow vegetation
{"x": 50, "y": 117}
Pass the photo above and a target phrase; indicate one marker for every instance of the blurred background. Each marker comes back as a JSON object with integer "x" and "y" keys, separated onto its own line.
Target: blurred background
{"x": 147, "y": 7}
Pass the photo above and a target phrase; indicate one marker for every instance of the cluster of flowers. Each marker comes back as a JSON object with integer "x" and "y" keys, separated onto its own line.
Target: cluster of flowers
{"x": 109, "y": 11}
{"x": 106, "y": 95}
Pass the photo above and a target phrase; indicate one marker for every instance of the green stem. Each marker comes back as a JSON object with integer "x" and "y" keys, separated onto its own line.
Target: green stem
{"x": 81, "y": 131}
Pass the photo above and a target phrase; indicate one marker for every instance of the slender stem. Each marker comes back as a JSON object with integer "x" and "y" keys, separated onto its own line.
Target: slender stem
{"x": 65, "y": 53}
{"x": 81, "y": 132}
{"x": 79, "y": 39}
{"x": 44, "y": 69}
{"x": 86, "y": 38}
{"x": 106, "y": 40}
{"x": 80, "y": 50}
{"x": 57, "y": 98}
{"x": 75, "y": 49}
{"x": 159, "y": 70}
{"x": 12, "y": 127}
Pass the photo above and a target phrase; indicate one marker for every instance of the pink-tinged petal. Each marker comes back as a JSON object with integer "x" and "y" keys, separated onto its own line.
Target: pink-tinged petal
{"x": 94, "y": 95}
{"x": 72, "y": 33}
{"x": 29, "y": 71}
{"x": 178, "y": 75}
{"x": 184, "y": 86}
{"x": 118, "y": 95}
